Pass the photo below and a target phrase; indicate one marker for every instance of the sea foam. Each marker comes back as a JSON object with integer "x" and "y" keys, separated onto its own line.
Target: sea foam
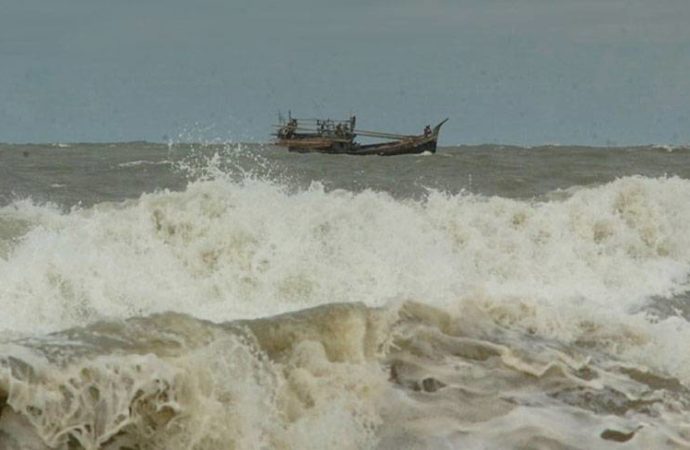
{"x": 531, "y": 318}
{"x": 223, "y": 250}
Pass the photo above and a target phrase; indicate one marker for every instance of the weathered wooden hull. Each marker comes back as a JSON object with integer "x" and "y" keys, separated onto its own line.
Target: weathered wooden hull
{"x": 415, "y": 146}
{"x": 383, "y": 149}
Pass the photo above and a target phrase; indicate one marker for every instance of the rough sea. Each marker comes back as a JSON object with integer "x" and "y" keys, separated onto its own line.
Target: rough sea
{"x": 223, "y": 296}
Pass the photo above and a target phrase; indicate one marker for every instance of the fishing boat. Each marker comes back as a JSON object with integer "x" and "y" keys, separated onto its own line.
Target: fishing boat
{"x": 338, "y": 137}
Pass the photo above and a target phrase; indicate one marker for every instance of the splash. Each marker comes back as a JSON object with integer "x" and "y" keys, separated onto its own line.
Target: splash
{"x": 581, "y": 268}
{"x": 259, "y": 249}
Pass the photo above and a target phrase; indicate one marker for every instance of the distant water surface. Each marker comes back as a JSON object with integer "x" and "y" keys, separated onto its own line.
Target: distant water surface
{"x": 91, "y": 173}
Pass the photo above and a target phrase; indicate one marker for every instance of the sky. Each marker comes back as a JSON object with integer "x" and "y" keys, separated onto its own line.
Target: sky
{"x": 523, "y": 72}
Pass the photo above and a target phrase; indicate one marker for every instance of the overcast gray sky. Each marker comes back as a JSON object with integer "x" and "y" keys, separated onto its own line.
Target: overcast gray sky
{"x": 508, "y": 71}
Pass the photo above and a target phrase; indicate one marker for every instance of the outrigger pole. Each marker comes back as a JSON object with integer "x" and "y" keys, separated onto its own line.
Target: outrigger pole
{"x": 391, "y": 135}
{"x": 383, "y": 135}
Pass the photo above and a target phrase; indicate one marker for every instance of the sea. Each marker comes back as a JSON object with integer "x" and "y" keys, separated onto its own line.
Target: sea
{"x": 202, "y": 296}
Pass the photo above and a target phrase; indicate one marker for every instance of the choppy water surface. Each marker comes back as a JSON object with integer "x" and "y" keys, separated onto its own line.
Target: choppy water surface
{"x": 241, "y": 297}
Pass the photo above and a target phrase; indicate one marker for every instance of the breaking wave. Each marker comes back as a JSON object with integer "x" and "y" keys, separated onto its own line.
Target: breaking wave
{"x": 167, "y": 333}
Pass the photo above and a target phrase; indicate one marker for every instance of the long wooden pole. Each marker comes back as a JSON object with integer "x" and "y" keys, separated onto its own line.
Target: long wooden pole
{"x": 383, "y": 135}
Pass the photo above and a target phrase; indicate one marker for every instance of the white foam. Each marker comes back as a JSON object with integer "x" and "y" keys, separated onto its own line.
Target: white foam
{"x": 222, "y": 250}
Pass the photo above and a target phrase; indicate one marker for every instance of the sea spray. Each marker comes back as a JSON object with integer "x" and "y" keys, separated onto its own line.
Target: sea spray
{"x": 224, "y": 250}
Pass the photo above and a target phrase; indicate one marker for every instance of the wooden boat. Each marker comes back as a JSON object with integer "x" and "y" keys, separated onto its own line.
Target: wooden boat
{"x": 337, "y": 137}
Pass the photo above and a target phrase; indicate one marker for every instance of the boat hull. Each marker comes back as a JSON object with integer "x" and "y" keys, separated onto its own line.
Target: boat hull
{"x": 383, "y": 149}
{"x": 398, "y": 148}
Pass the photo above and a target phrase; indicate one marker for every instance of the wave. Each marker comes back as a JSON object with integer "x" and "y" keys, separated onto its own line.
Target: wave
{"x": 229, "y": 250}
{"x": 336, "y": 376}
{"x": 154, "y": 322}
{"x": 171, "y": 381}
{"x": 223, "y": 250}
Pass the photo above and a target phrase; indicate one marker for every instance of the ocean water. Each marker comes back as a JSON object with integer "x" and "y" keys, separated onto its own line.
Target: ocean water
{"x": 225, "y": 296}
